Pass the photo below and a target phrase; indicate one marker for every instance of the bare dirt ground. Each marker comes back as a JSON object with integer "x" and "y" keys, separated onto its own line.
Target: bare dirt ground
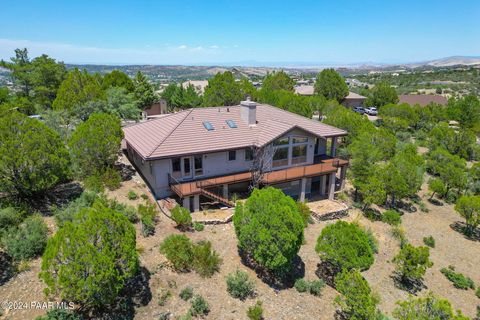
{"x": 452, "y": 248}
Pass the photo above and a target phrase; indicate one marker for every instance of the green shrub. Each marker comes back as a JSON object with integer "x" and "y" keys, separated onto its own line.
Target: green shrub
{"x": 199, "y": 306}
{"x": 399, "y": 234}
{"x": 412, "y": 262}
{"x": 426, "y": 307}
{"x": 179, "y": 251}
{"x": 147, "y": 213}
{"x": 357, "y": 300}
{"x": 132, "y": 195}
{"x": 345, "y": 245}
{"x": 198, "y": 226}
{"x": 186, "y": 293}
{"x": 477, "y": 293}
{"x": 111, "y": 178}
{"x": 206, "y": 261}
{"x": 255, "y": 312}
{"x": 60, "y": 314}
{"x": 26, "y": 240}
{"x": 302, "y": 285}
{"x": 128, "y": 211}
{"x": 89, "y": 260}
{"x": 392, "y": 217}
{"x": 66, "y": 213}
{"x": 372, "y": 240}
{"x": 239, "y": 285}
{"x": 9, "y": 217}
{"x": 429, "y": 241}
{"x": 316, "y": 287}
{"x": 305, "y": 212}
{"x": 94, "y": 183}
{"x": 459, "y": 280}
{"x": 269, "y": 230}
{"x": 181, "y": 216}
{"x": 186, "y": 316}
{"x": 144, "y": 196}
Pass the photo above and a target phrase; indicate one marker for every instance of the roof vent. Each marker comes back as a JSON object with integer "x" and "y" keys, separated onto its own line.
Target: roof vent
{"x": 248, "y": 111}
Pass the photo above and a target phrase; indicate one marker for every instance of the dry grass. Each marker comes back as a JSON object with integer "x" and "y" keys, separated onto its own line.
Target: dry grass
{"x": 451, "y": 249}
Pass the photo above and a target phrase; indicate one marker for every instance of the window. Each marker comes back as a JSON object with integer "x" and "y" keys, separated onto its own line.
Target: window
{"x": 280, "y": 142}
{"x": 299, "y": 140}
{"x": 231, "y": 123}
{"x": 299, "y": 154}
{"x": 198, "y": 163}
{"x": 232, "y": 155}
{"x": 280, "y": 157}
{"x": 248, "y": 154}
{"x": 208, "y": 126}
{"x": 176, "y": 164}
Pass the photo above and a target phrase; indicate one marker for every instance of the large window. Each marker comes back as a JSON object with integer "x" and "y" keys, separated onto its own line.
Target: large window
{"x": 280, "y": 142}
{"x": 299, "y": 154}
{"x": 299, "y": 140}
{"x": 280, "y": 157}
{"x": 232, "y": 155}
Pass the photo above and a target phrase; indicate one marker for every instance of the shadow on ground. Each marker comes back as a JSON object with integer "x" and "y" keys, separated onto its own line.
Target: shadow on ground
{"x": 412, "y": 286}
{"x": 136, "y": 293}
{"x": 272, "y": 280}
{"x": 7, "y": 270}
{"x": 461, "y": 227}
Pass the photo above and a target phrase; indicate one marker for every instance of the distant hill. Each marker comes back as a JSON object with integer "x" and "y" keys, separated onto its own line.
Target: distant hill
{"x": 451, "y": 61}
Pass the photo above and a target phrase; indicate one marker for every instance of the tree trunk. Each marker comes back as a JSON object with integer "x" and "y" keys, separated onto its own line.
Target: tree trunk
{"x": 431, "y": 197}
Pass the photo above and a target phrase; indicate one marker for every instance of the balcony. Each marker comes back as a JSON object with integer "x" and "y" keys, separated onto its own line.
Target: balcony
{"x": 320, "y": 167}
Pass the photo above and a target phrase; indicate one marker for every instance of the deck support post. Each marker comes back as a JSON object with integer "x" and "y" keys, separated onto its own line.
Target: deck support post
{"x": 343, "y": 174}
{"x": 331, "y": 188}
{"x": 323, "y": 182}
{"x": 196, "y": 203}
{"x": 333, "y": 147}
{"x": 186, "y": 203}
{"x": 225, "y": 191}
{"x": 303, "y": 186}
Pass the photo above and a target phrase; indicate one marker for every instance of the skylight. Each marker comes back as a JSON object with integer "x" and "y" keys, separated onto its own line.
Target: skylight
{"x": 231, "y": 123}
{"x": 208, "y": 126}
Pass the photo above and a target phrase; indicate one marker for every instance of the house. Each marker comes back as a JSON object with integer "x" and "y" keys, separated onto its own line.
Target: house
{"x": 422, "y": 99}
{"x": 353, "y": 100}
{"x": 212, "y": 153}
{"x": 157, "y": 109}
{"x": 305, "y": 90}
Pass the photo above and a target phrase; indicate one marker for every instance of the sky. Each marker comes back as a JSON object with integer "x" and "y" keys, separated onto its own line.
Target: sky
{"x": 241, "y": 32}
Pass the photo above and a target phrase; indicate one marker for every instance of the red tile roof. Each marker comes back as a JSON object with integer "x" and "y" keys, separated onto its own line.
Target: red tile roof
{"x": 183, "y": 133}
{"x": 422, "y": 99}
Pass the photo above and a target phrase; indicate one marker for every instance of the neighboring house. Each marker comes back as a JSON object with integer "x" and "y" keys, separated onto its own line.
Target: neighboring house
{"x": 155, "y": 110}
{"x": 353, "y": 100}
{"x": 350, "y": 101}
{"x": 422, "y": 99}
{"x": 212, "y": 153}
{"x": 199, "y": 85}
{"x": 305, "y": 90}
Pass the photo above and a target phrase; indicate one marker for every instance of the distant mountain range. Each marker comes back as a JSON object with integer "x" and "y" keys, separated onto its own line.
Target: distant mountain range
{"x": 167, "y": 73}
{"x": 449, "y": 62}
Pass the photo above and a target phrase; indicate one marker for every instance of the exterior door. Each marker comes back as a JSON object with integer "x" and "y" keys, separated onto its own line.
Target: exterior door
{"x": 187, "y": 167}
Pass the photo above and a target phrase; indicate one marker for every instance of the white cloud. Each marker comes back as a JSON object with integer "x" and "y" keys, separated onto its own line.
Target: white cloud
{"x": 70, "y": 53}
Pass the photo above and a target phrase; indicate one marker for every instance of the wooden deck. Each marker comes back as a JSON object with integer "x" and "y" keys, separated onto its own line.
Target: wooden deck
{"x": 326, "y": 166}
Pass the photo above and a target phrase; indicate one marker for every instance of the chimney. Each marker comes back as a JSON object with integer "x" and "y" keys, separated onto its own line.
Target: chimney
{"x": 248, "y": 112}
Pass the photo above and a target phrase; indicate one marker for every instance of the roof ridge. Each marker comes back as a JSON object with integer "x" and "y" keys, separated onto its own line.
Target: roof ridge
{"x": 299, "y": 116}
{"x": 171, "y": 131}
